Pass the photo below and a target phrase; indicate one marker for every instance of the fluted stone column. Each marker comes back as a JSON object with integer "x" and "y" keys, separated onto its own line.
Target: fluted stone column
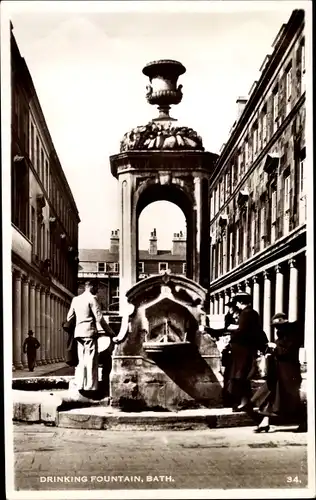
{"x": 216, "y": 304}
{"x": 53, "y": 328}
{"x": 211, "y": 305}
{"x": 38, "y": 320}
{"x": 226, "y": 299}
{"x": 61, "y": 319}
{"x": 25, "y": 314}
{"x": 59, "y": 330}
{"x": 32, "y": 322}
{"x": 221, "y": 303}
{"x": 17, "y": 336}
{"x": 43, "y": 327}
{"x": 12, "y": 318}
{"x": 56, "y": 329}
{"x": 293, "y": 289}
{"x": 48, "y": 327}
{"x": 248, "y": 287}
{"x": 278, "y": 289}
{"x": 62, "y": 335}
{"x": 225, "y": 247}
{"x": 256, "y": 293}
{"x": 267, "y": 304}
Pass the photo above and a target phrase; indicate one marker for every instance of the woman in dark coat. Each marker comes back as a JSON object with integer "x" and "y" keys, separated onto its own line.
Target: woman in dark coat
{"x": 231, "y": 318}
{"x": 280, "y": 394}
{"x": 246, "y": 340}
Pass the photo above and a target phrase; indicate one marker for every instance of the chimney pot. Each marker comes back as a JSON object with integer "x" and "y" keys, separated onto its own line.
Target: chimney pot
{"x": 241, "y": 104}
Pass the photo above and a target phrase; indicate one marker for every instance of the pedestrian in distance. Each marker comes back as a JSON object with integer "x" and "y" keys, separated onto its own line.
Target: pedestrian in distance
{"x": 90, "y": 324}
{"x": 30, "y": 346}
{"x": 280, "y": 394}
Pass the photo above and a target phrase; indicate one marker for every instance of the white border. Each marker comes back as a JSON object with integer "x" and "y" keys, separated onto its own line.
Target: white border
{"x": 8, "y": 7}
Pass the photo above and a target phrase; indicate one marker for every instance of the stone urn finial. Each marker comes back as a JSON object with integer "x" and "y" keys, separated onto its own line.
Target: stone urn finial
{"x": 162, "y": 90}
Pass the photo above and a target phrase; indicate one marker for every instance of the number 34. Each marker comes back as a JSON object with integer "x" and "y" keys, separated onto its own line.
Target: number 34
{"x": 293, "y": 479}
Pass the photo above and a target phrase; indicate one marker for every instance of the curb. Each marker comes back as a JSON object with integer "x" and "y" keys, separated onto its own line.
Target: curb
{"x": 49, "y": 408}
{"x": 183, "y": 420}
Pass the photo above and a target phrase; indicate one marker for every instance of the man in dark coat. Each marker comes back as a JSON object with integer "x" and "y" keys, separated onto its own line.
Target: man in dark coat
{"x": 30, "y": 346}
{"x": 246, "y": 340}
{"x": 71, "y": 345}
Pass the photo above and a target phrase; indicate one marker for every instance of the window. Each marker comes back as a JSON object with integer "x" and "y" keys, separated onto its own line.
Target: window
{"x": 211, "y": 207}
{"x": 246, "y": 151}
{"x": 303, "y": 66}
{"x": 273, "y": 214}
{"x": 255, "y": 139}
{"x": 32, "y": 144}
{"x": 101, "y": 267}
{"x": 17, "y": 109}
{"x": 37, "y": 166}
{"x": 287, "y": 187}
{"x": 288, "y": 89}
{"x": 303, "y": 55}
{"x": 232, "y": 177}
{"x": 141, "y": 267}
{"x": 42, "y": 167}
{"x": 33, "y": 226}
{"x": 287, "y": 197}
{"x": 302, "y": 193}
{"x": 237, "y": 242}
{"x": 220, "y": 258}
{"x": 184, "y": 268}
{"x": 116, "y": 293}
{"x": 223, "y": 190}
{"x": 46, "y": 175}
{"x": 116, "y": 267}
{"x": 25, "y": 130}
{"x": 163, "y": 266}
{"x": 264, "y": 128}
{"x": 275, "y": 108}
{"x": 289, "y": 82}
{"x": 231, "y": 251}
{"x": 262, "y": 227}
{"x": 253, "y": 233}
{"x": 239, "y": 165}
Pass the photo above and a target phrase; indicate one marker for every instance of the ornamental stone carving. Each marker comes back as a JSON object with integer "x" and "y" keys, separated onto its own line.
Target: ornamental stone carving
{"x": 161, "y": 132}
{"x": 161, "y": 135}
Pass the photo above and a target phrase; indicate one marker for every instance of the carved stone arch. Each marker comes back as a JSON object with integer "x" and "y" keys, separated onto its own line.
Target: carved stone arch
{"x": 152, "y": 191}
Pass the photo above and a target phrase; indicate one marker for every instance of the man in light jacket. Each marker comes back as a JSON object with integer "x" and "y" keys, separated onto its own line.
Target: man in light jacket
{"x": 89, "y": 324}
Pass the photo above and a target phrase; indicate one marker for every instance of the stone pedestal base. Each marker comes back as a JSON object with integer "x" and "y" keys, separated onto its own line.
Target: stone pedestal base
{"x": 138, "y": 384}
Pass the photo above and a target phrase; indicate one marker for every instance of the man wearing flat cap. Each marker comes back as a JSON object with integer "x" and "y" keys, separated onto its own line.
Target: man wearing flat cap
{"x": 247, "y": 338}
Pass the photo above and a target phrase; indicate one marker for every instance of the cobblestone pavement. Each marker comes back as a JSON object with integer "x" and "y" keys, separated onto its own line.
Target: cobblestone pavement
{"x": 215, "y": 458}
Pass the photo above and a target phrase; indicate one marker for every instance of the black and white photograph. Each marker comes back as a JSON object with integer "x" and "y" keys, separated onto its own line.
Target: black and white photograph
{"x": 158, "y": 288}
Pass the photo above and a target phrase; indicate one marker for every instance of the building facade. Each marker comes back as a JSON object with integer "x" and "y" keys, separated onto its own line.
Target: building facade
{"x": 103, "y": 265}
{"x": 44, "y": 221}
{"x": 258, "y": 189}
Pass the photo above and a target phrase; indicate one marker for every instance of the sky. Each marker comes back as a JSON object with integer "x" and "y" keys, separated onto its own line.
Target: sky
{"x": 87, "y": 70}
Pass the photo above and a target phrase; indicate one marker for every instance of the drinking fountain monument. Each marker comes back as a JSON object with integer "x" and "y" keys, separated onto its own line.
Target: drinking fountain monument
{"x": 166, "y": 360}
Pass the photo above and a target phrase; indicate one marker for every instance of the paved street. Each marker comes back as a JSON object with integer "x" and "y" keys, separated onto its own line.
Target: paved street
{"x": 216, "y": 458}
{"x": 55, "y": 369}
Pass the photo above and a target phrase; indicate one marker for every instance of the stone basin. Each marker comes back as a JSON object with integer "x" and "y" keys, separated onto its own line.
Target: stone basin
{"x": 164, "y": 347}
